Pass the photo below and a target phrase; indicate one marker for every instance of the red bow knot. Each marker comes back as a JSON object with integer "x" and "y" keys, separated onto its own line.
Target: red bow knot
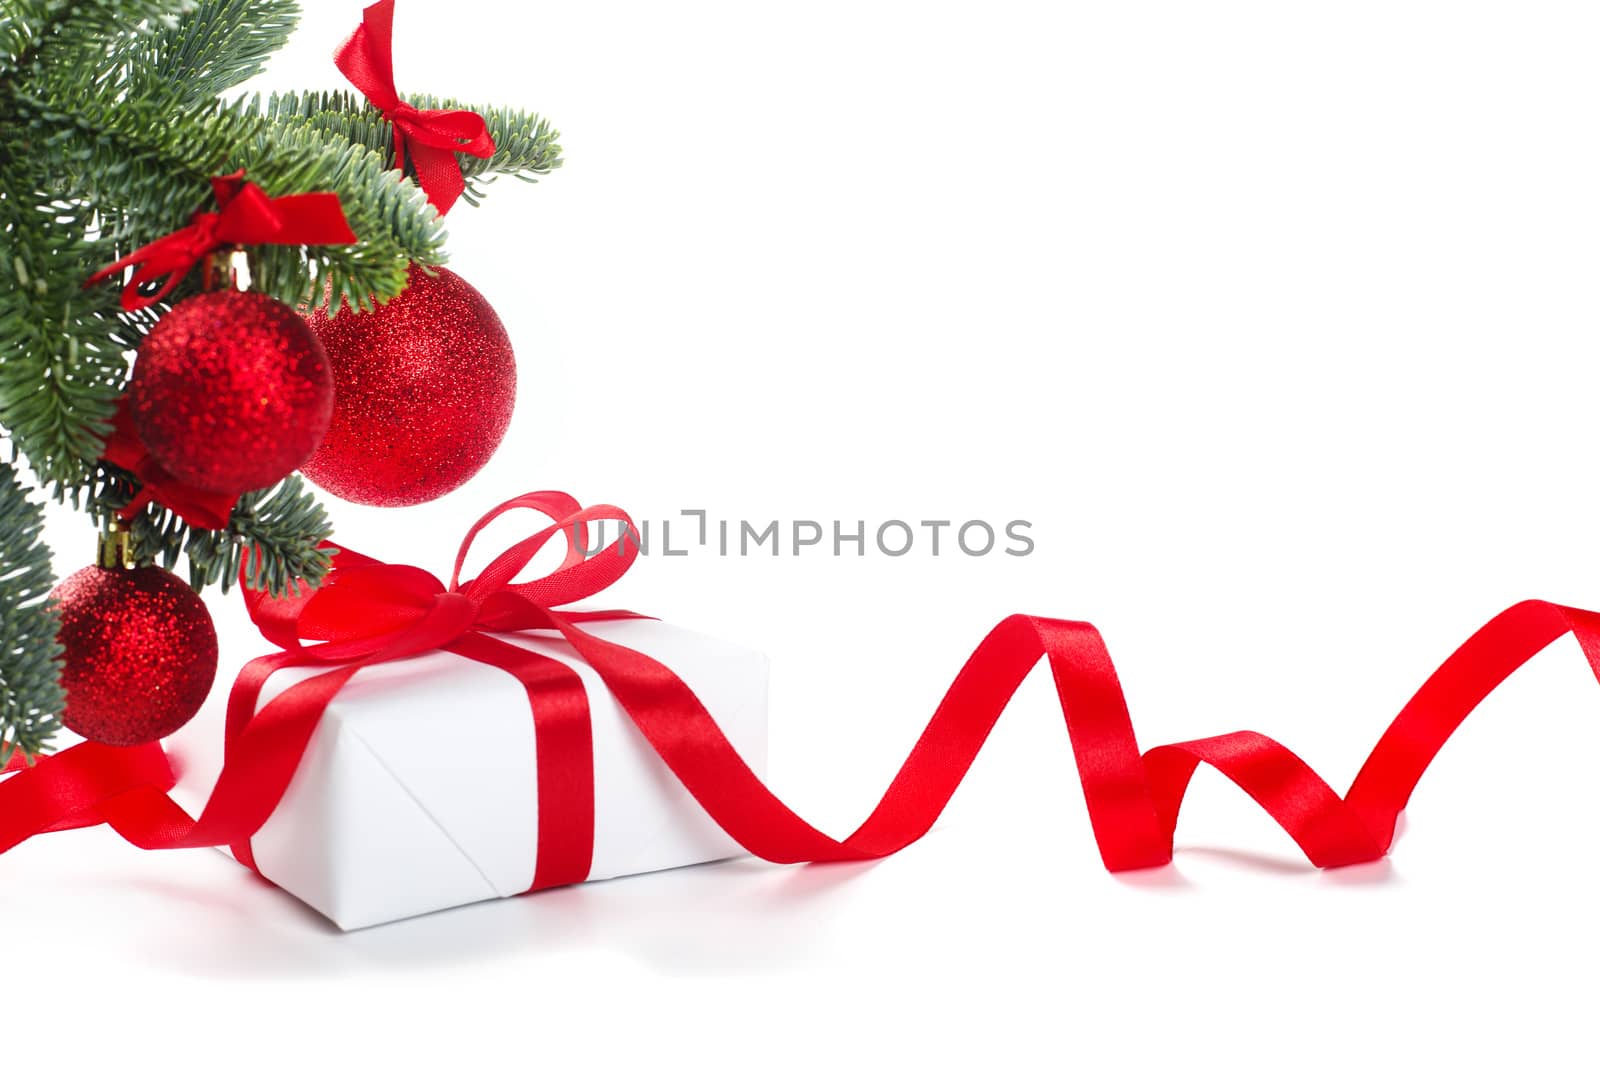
{"x": 370, "y": 611}
{"x": 245, "y": 215}
{"x": 430, "y": 138}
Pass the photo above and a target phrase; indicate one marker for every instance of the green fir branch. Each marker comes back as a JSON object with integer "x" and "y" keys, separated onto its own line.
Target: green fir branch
{"x": 525, "y": 144}
{"x": 280, "y": 528}
{"x": 43, "y": 33}
{"x": 283, "y": 530}
{"x": 15, "y": 36}
{"x": 392, "y": 217}
{"x": 30, "y": 690}
{"x": 213, "y": 48}
{"x": 62, "y": 348}
{"x": 147, "y": 167}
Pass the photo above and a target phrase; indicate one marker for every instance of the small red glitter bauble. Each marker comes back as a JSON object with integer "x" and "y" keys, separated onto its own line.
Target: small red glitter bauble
{"x": 140, "y": 653}
{"x": 231, "y": 391}
{"x": 424, "y": 387}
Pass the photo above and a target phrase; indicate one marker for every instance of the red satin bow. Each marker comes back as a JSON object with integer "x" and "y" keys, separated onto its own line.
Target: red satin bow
{"x": 245, "y": 216}
{"x": 197, "y": 507}
{"x": 371, "y": 612}
{"x": 430, "y": 138}
{"x": 367, "y": 612}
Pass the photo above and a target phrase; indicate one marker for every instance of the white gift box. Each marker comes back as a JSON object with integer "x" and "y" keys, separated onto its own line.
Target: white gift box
{"x": 418, "y": 793}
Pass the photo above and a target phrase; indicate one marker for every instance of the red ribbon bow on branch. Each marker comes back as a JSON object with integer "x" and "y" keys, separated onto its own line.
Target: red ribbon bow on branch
{"x": 371, "y": 612}
{"x": 429, "y": 138}
{"x": 197, "y": 507}
{"x": 245, "y": 215}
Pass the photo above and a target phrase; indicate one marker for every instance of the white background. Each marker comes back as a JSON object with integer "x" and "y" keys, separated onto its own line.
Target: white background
{"x": 1278, "y": 321}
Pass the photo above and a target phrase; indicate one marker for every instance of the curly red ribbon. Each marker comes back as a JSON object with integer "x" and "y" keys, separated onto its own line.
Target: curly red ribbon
{"x": 197, "y": 507}
{"x": 430, "y": 138}
{"x": 245, "y": 216}
{"x": 371, "y": 612}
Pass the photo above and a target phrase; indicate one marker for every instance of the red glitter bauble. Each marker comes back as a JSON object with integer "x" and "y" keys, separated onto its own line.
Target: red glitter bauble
{"x": 231, "y": 391}
{"x": 140, "y": 653}
{"x": 423, "y": 392}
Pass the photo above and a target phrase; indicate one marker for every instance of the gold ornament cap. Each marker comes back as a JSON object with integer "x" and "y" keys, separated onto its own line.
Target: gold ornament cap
{"x": 115, "y": 551}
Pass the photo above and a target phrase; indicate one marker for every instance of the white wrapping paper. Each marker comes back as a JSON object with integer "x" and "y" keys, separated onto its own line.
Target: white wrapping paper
{"x": 418, "y": 790}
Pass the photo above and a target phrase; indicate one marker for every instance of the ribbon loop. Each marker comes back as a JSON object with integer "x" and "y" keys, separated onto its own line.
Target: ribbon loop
{"x": 549, "y": 503}
{"x": 367, "y": 608}
{"x": 579, "y": 575}
{"x": 429, "y": 138}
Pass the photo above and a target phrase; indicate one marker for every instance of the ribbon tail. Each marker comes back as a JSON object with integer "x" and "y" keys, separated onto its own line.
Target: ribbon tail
{"x": 1121, "y": 804}
{"x": 127, "y": 787}
{"x": 308, "y": 219}
{"x": 150, "y": 262}
{"x": 112, "y": 269}
{"x": 133, "y": 299}
{"x": 1386, "y": 780}
{"x": 1133, "y": 801}
{"x": 439, "y": 174}
{"x": 200, "y": 509}
{"x": 140, "y": 499}
{"x": 68, "y": 789}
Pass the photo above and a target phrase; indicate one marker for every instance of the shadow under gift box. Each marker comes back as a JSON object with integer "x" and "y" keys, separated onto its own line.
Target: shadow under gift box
{"x": 418, "y": 790}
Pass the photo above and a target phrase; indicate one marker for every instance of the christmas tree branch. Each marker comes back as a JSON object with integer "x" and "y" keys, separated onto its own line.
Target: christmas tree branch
{"x": 146, "y": 167}
{"x": 392, "y": 217}
{"x": 72, "y": 31}
{"x": 30, "y": 693}
{"x": 214, "y": 47}
{"x": 281, "y": 529}
{"x": 525, "y": 145}
{"x": 62, "y": 348}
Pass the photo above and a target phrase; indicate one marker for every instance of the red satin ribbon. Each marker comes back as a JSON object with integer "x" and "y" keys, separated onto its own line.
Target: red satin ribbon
{"x": 430, "y": 138}
{"x": 370, "y": 612}
{"x": 245, "y": 216}
{"x": 197, "y": 507}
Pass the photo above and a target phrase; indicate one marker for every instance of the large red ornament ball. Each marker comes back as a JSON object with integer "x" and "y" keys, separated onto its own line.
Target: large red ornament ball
{"x": 139, "y": 653}
{"x": 231, "y": 391}
{"x": 424, "y": 387}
